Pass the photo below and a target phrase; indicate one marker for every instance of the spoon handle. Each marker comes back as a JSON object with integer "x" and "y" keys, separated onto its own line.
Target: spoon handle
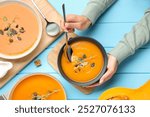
{"x": 3, "y": 97}
{"x": 64, "y": 12}
{"x": 39, "y": 10}
{"x": 66, "y": 39}
{"x": 64, "y": 16}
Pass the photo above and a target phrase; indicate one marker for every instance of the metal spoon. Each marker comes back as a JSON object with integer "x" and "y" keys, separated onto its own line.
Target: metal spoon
{"x": 52, "y": 28}
{"x": 3, "y": 97}
{"x": 67, "y": 49}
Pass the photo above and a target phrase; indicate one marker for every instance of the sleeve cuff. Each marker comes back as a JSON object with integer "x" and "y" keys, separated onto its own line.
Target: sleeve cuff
{"x": 121, "y": 52}
{"x": 96, "y": 8}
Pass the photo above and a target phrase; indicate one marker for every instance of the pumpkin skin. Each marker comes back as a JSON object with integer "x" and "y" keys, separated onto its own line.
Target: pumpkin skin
{"x": 121, "y": 93}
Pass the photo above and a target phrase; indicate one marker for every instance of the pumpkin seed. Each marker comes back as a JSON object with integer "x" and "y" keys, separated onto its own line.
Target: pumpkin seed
{"x": 76, "y": 65}
{"x": 11, "y": 40}
{"x": 19, "y": 38}
{"x": 35, "y": 94}
{"x": 5, "y": 19}
{"x": 1, "y": 32}
{"x": 13, "y": 31}
{"x": 21, "y": 30}
{"x": 93, "y": 65}
{"x": 17, "y": 26}
{"x": 6, "y": 29}
{"x": 84, "y": 56}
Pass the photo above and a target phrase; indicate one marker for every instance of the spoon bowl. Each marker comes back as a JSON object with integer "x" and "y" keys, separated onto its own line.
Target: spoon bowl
{"x": 67, "y": 49}
{"x": 68, "y": 52}
{"x": 52, "y": 28}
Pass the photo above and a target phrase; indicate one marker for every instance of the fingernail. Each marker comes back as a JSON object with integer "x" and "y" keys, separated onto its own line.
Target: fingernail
{"x": 66, "y": 30}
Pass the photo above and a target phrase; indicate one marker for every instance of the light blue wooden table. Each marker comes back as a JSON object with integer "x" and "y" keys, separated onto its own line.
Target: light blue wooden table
{"x": 108, "y": 30}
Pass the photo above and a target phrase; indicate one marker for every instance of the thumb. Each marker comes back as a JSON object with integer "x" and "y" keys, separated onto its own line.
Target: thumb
{"x": 106, "y": 76}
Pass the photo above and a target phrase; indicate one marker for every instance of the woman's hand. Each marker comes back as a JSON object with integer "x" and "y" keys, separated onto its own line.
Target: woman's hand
{"x": 111, "y": 70}
{"x": 75, "y": 22}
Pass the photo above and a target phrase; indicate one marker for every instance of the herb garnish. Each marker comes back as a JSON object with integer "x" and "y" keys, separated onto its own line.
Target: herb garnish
{"x": 12, "y": 30}
{"x": 80, "y": 59}
{"x": 81, "y": 62}
{"x": 36, "y": 96}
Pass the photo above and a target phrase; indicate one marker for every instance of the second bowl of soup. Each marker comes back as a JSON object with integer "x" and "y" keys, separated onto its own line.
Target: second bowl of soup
{"x": 38, "y": 87}
{"x": 89, "y": 61}
{"x": 20, "y": 29}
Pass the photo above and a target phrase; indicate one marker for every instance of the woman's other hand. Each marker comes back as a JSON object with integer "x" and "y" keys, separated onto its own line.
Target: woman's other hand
{"x": 111, "y": 70}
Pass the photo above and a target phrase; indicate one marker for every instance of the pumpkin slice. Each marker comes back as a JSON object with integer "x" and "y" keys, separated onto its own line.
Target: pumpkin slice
{"x": 121, "y": 93}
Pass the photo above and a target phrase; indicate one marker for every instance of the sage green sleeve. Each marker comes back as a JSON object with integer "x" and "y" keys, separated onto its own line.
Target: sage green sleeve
{"x": 137, "y": 37}
{"x": 95, "y": 8}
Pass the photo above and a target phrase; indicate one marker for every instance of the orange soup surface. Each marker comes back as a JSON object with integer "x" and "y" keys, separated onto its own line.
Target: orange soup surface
{"x": 87, "y": 62}
{"x": 42, "y": 86}
{"x": 18, "y": 29}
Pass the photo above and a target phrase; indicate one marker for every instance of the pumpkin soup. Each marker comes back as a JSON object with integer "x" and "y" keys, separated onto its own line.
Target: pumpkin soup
{"x": 38, "y": 87}
{"x": 19, "y": 28}
{"x": 87, "y": 62}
